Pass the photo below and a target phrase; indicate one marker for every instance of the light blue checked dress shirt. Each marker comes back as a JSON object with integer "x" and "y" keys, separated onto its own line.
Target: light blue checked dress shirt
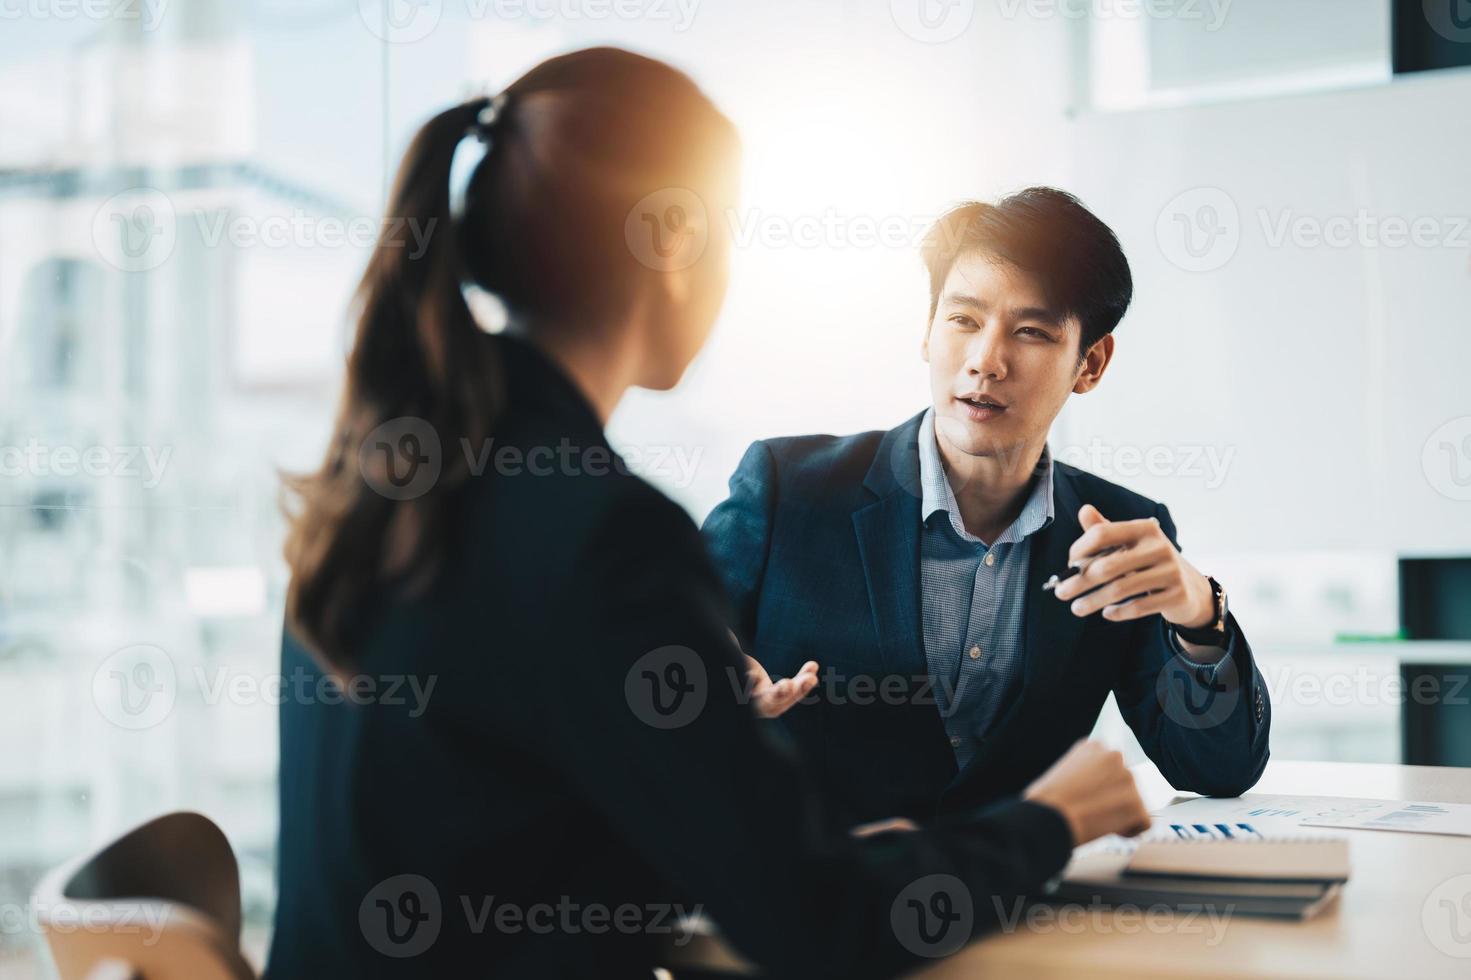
{"x": 974, "y": 599}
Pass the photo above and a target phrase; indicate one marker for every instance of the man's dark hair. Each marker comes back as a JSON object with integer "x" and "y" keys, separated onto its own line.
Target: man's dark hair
{"x": 1048, "y": 233}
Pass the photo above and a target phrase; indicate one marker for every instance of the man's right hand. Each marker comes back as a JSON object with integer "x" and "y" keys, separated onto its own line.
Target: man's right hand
{"x": 1094, "y": 791}
{"x": 771, "y": 700}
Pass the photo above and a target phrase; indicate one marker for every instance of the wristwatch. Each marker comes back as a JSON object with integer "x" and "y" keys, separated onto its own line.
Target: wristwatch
{"x": 1213, "y": 634}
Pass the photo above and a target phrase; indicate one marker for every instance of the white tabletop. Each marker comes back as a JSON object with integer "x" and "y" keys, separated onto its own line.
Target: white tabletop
{"x": 1405, "y": 913}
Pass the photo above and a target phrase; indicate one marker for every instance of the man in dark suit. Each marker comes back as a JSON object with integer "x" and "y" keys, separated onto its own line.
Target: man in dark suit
{"x": 911, "y": 564}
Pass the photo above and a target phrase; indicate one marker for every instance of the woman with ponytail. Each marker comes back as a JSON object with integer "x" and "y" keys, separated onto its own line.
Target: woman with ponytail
{"x": 513, "y": 734}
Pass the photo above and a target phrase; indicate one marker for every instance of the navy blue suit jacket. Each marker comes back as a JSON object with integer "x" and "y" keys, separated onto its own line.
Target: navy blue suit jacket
{"x": 819, "y": 548}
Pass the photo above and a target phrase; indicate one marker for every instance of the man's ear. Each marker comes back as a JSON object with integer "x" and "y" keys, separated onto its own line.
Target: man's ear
{"x": 924, "y": 344}
{"x": 1095, "y": 362}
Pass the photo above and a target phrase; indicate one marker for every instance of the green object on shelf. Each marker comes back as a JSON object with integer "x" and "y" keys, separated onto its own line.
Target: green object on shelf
{"x": 1395, "y": 637}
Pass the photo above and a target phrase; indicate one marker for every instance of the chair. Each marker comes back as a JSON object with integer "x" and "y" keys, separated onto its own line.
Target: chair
{"x": 159, "y": 903}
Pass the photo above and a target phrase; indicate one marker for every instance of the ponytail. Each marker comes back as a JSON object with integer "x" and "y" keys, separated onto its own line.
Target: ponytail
{"x": 422, "y": 376}
{"x": 575, "y": 143}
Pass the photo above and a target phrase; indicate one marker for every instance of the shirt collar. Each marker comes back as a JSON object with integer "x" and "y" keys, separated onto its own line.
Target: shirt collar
{"x": 936, "y": 494}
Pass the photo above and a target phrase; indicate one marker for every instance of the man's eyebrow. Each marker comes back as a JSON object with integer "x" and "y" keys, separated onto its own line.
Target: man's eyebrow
{"x": 964, "y": 299}
{"x": 1040, "y": 313}
{"x": 1037, "y": 313}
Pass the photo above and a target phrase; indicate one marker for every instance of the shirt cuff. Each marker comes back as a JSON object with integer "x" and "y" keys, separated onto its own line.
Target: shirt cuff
{"x": 1205, "y": 670}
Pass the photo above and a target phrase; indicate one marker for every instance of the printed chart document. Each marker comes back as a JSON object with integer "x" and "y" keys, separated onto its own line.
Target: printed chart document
{"x": 1273, "y": 814}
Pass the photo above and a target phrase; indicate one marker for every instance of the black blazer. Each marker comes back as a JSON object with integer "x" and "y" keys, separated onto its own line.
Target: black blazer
{"x": 819, "y": 547}
{"x": 550, "y": 768}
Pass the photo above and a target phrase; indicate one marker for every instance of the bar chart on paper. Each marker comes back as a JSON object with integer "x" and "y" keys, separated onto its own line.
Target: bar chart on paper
{"x": 1274, "y": 814}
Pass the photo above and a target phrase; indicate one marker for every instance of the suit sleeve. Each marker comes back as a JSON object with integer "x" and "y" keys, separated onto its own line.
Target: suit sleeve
{"x": 1204, "y": 725}
{"x": 738, "y": 536}
{"x": 653, "y": 733}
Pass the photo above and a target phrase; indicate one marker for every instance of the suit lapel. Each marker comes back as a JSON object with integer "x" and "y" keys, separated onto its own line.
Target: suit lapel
{"x": 1051, "y": 629}
{"x": 888, "y": 544}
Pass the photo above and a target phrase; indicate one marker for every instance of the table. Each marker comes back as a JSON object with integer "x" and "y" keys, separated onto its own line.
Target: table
{"x": 1375, "y": 929}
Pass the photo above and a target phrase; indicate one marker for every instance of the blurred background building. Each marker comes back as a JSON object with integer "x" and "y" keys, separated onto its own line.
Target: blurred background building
{"x": 189, "y": 190}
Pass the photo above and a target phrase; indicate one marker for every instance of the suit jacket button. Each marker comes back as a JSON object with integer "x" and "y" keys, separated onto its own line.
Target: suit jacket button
{"x": 955, "y": 741}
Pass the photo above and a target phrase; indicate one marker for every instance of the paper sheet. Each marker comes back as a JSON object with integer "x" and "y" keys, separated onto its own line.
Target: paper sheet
{"x": 1268, "y": 814}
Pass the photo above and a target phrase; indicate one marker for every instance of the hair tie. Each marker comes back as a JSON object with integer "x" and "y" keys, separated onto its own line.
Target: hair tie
{"x": 486, "y": 118}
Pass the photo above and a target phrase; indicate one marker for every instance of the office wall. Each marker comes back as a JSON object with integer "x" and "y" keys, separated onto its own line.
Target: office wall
{"x": 1327, "y": 367}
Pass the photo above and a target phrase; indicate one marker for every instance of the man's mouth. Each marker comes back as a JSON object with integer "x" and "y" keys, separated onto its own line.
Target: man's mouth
{"x": 980, "y": 408}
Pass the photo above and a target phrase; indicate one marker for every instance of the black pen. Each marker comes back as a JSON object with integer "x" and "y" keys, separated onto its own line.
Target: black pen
{"x": 1075, "y": 567}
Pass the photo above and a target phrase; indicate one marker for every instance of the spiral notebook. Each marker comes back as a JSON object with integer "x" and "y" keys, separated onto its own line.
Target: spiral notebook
{"x": 1290, "y": 877}
{"x": 1287, "y": 859}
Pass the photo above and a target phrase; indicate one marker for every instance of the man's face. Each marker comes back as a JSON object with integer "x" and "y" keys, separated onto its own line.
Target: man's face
{"x": 1002, "y": 362}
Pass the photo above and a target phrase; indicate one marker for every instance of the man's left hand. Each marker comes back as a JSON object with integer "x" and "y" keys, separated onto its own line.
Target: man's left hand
{"x": 1146, "y": 576}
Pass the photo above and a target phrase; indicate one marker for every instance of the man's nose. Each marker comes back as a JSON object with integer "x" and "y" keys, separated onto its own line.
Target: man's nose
{"x": 987, "y": 356}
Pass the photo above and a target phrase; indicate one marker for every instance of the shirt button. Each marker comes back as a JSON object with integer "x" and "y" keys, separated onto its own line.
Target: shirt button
{"x": 975, "y": 653}
{"x": 990, "y": 558}
{"x": 955, "y": 741}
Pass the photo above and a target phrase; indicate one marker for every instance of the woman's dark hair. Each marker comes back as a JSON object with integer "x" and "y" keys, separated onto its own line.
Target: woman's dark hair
{"x": 1050, "y": 234}
{"x": 575, "y": 144}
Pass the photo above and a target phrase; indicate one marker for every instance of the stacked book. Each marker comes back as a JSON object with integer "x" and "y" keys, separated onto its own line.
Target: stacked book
{"x": 1280, "y": 877}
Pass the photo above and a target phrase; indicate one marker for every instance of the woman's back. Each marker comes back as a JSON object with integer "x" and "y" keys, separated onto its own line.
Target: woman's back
{"x": 448, "y": 773}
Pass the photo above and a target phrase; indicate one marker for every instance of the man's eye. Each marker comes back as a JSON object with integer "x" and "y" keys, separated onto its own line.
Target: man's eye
{"x": 960, "y": 319}
{"x": 1034, "y": 332}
